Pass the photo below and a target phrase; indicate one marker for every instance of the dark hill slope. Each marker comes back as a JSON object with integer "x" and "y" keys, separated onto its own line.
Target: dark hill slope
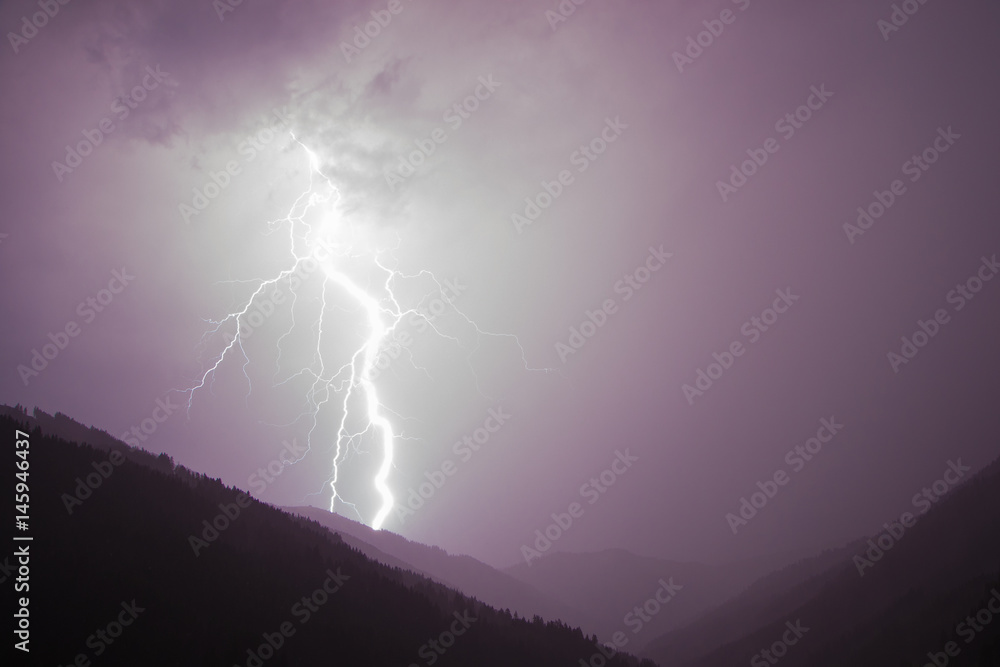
{"x": 130, "y": 540}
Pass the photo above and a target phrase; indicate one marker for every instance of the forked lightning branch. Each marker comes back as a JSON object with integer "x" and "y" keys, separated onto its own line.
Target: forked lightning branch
{"x": 319, "y": 248}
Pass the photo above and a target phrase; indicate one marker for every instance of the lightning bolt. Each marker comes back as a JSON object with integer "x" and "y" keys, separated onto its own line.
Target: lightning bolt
{"x": 382, "y": 314}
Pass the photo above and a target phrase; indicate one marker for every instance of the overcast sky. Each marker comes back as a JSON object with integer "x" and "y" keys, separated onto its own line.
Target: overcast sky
{"x": 630, "y": 138}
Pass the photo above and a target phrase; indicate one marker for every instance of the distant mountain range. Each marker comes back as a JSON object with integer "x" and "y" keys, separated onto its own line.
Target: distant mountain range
{"x": 463, "y": 573}
{"x": 900, "y": 598}
{"x": 612, "y": 583}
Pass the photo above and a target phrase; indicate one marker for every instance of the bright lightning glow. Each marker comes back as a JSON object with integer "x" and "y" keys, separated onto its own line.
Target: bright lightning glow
{"x": 310, "y": 248}
{"x": 369, "y": 355}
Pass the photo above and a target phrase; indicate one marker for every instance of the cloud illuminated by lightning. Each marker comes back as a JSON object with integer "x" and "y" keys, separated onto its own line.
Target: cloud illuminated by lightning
{"x": 310, "y": 248}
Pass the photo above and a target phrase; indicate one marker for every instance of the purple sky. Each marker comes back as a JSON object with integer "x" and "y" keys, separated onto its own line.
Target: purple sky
{"x": 671, "y": 137}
